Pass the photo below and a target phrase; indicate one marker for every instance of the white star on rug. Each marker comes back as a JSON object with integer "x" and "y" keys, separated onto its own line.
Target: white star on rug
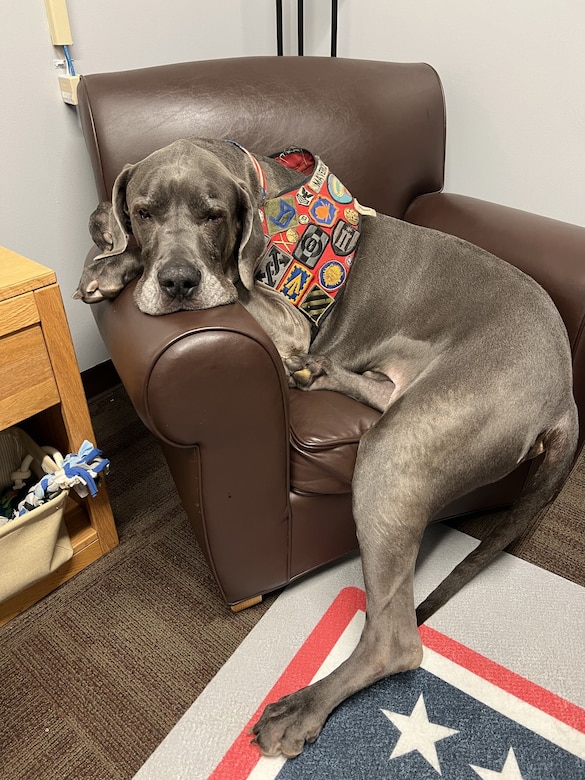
{"x": 510, "y": 770}
{"x": 417, "y": 733}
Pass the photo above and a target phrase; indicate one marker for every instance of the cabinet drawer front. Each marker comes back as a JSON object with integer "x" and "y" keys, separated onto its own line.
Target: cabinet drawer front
{"x": 28, "y": 385}
{"x": 17, "y": 313}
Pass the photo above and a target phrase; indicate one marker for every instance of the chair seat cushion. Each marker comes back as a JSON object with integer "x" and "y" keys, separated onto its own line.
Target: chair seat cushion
{"x": 325, "y": 429}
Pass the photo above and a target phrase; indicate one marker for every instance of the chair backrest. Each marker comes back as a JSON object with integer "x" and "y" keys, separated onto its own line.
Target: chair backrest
{"x": 380, "y": 126}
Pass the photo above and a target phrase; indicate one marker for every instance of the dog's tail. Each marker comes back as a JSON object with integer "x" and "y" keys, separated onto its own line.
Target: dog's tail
{"x": 560, "y": 444}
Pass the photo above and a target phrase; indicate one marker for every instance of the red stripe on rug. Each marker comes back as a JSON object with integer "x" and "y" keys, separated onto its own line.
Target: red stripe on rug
{"x": 242, "y": 757}
{"x": 513, "y": 683}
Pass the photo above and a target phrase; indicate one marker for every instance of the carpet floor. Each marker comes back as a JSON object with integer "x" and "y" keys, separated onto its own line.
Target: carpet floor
{"x": 94, "y": 676}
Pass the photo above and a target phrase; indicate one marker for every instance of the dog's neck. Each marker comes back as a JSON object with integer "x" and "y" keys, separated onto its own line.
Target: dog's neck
{"x": 272, "y": 174}
{"x": 257, "y": 168}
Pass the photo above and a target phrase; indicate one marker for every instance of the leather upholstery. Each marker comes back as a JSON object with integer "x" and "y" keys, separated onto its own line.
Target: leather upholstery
{"x": 268, "y": 103}
{"x": 264, "y": 473}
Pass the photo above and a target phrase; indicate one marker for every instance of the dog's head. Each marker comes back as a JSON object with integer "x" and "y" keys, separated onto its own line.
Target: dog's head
{"x": 196, "y": 224}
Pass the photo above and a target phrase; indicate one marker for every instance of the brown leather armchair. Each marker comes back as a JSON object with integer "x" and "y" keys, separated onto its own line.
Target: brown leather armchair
{"x": 264, "y": 473}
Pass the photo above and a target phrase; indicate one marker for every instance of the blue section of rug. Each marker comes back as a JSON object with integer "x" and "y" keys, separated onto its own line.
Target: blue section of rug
{"x": 417, "y": 726}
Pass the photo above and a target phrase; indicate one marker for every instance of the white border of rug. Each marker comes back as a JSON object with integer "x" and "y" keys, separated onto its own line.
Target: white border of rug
{"x": 522, "y": 617}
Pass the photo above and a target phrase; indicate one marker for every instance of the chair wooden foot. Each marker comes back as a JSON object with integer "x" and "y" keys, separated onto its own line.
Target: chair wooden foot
{"x": 245, "y": 604}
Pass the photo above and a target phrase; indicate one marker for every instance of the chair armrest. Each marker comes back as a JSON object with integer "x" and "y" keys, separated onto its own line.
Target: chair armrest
{"x": 550, "y": 251}
{"x": 211, "y": 386}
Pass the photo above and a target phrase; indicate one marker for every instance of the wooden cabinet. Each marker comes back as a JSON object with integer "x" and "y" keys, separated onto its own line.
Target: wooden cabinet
{"x": 41, "y": 390}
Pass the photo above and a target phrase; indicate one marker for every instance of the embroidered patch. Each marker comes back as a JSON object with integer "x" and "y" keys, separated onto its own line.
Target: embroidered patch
{"x": 316, "y": 304}
{"x": 318, "y": 178}
{"x": 323, "y": 211}
{"x": 304, "y": 196}
{"x": 311, "y": 246}
{"x": 280, "y": 214}
{"x": 332, "y": 275}
{"x": 352, "y": 216}
{"x": 344, "y": 238}
{"x": 337, "y": 190}
{"x": 273, "y": 267}
{"x": 295, "y": 283}
{"x": 285, "y": 242}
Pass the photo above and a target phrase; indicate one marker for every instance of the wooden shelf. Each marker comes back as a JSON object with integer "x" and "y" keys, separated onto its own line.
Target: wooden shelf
{"x": 50, "y": 403}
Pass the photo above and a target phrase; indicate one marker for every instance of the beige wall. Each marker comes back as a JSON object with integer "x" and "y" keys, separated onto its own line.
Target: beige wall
{"x": 514, "y": 78}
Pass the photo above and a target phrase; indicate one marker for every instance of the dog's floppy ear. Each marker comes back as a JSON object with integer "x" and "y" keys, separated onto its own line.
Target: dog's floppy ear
{"x": 252, "y": 239}
{"x": 109, "y": 224}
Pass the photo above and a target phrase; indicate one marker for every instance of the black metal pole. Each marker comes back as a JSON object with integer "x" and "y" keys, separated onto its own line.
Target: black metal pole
{"x": 334, "y": 15}
{"x": 279, "y": 46}
{"x": 301, "y": 26}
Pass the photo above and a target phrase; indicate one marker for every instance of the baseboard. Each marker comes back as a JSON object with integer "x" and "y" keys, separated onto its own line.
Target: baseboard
{"x": 99, "y": 379}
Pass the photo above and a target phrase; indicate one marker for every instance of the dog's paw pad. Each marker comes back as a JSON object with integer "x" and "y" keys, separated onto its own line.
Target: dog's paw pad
{"x": 303, "y": 377}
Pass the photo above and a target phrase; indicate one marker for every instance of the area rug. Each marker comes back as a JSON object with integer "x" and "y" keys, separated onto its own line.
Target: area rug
{"x": 500, "y": 693}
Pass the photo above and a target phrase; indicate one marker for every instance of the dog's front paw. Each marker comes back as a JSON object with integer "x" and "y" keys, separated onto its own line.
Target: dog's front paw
{"x": 106, "y": 277}
{"x": 288, "y": 724}
{"x": 308, "y": 371}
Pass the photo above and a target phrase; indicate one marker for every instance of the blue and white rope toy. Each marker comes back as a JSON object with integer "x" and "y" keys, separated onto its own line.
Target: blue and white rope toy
{"x": 79, "y": 471}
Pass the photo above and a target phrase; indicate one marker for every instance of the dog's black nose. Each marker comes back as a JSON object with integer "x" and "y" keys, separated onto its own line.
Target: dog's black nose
{"x": 179, "y": 280}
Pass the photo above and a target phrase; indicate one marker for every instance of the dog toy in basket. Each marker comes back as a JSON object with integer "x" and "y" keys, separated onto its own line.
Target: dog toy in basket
{"x": 79, "y": 471}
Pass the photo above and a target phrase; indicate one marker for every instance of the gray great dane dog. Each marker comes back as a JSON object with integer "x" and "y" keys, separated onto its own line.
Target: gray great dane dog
{"x": 466, "y": 357}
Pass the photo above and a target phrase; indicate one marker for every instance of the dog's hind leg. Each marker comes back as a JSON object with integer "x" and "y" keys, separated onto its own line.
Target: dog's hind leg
{"x": 541, "y": 489}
